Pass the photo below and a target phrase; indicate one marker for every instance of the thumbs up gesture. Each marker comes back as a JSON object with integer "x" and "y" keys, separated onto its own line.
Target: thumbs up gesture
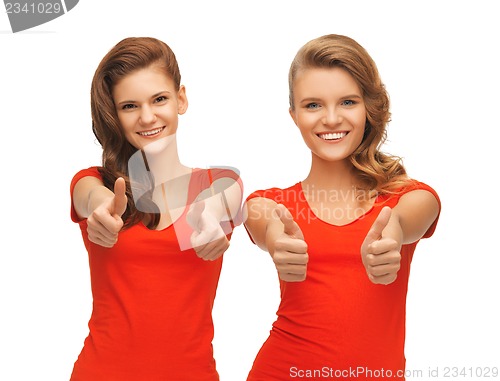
{"x": 380, "y": 252}
{"x": 105, "y": 222}
{"x": 208, "y": 238}
{"x": 289, "y": 250}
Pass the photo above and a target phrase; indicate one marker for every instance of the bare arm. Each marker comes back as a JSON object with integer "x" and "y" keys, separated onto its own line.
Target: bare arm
{"x": 406, "y": 223}
{"x": 414, "y": 214}
{"x": 273, "y": 229}
{"x": 223, "y": 199}
{"x": 221, "y": 202}
{"x": 102, "y": 208}
{"x": 88, "y": 194}
{"x": 263, "y": 223}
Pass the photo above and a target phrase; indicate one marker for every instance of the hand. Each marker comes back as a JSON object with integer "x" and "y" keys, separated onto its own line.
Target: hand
{"x": 289, "y": 250}
{"x": 105, "y": 222}
{"x": 380, "y": 253}
{"x": 208, "y": 239}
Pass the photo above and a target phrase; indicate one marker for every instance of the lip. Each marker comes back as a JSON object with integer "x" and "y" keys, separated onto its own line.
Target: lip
{"x": 332, "y": 136}
{"x": 151, "y": 133}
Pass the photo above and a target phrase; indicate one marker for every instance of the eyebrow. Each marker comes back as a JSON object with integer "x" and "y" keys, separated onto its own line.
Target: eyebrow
{"x": 313, "y": 99}
{"x": 352, "y": 96}
{"x": 152, "y": 96}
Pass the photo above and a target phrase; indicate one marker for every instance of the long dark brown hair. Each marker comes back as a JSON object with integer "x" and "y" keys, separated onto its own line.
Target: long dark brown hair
{"x": 129, "y": 55}
{"x": 374, "y": 169}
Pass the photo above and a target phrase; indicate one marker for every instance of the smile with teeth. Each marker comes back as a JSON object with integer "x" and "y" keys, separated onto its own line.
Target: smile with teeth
{"x": 332, "y": 135}
{"x": 151, "y": 132}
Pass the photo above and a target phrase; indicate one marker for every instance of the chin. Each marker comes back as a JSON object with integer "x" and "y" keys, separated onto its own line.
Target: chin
{"x": 159, "y": 145}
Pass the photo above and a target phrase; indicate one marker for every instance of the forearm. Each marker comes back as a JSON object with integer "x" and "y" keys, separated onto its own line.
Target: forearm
{"x": 262, "y": 223}
{"x": 223, "y": 199}
{"x": 89, "y": 193}
{"x": 97, "y": 196}
{"x": 215, "y": 206}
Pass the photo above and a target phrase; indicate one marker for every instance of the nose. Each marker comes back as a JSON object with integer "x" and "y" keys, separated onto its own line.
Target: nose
{"x": 147, "y": 115}
{"x": 332, "y": 116}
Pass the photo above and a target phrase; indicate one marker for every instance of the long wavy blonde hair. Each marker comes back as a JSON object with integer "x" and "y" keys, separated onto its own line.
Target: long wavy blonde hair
{"x": 374, "y": 169}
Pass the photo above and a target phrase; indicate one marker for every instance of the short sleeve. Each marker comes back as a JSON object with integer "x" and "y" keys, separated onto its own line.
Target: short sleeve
{"x": 92, "y": 171}
{"x": 221, "y": 173}
{"x": 275, "y": 194}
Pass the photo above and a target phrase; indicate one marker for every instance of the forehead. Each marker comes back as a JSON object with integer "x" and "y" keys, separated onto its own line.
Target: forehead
{"x": 333, "y": 80}
{"x": 149, "y": 79}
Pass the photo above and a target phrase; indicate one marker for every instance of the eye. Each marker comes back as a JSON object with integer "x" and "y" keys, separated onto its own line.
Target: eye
{"x": 348, "y": 102}
{"x": 312, "y": 106}
{"x": 160, "y": 99}
{"x": 128, "y": 106}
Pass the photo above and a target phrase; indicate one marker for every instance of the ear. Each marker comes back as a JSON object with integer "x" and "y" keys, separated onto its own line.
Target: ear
{"x": 182, "y": 101}
{"x": 293, "y": 115}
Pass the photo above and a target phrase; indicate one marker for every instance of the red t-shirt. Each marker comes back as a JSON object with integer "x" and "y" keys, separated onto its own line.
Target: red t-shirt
{"x": 336, "y": 324}
{"x": 151, "y": 318}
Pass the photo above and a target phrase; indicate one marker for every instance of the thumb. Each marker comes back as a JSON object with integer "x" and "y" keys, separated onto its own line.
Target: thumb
{"x": 194, "y": 215}
{"x": 120, "y": 199}
{"x": 291, "y": 228}
{"x": 379, "y": 225}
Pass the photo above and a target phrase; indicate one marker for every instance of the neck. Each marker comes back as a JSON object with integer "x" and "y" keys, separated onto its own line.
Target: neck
{"x": 163, "y": 161}
{"x": 331, "y": 175}
{"x": 334, "y": 183}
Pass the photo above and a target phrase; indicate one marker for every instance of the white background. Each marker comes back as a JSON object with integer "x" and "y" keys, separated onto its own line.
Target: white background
{"x": 438, "y": 61}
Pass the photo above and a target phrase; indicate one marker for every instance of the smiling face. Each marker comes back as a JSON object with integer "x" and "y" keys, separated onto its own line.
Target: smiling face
{"x": 148, "y": 104}
{"x": 329, "y": 110}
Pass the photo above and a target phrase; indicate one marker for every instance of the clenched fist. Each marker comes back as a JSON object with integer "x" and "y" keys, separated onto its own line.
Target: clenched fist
{"x": 105, "y": 222}
{"x": 208, "y": 238}
{"x": 289, "y": 250}
{"x": 381, "y": 253}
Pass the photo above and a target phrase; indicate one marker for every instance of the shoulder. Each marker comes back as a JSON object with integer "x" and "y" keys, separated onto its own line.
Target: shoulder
{"x": 279, "y": 195}
{"x": 416, "y": 185}
{"x": 418, "y": 201}
{"x": 410, "y": 186}
{"x": 217, "y": 173}
{"x": 223, "y": 177}
{"x": 91, "y": 171}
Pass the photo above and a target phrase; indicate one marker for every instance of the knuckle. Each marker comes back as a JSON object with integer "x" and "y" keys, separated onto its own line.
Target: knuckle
{"x": 282, "y": 244}
{"x": 279, "y": 257}
{"x": 96, "y": 214}
{"x": 279, "y": 245}
{"x": 370, "y": 260}
{"x": 304, "y": 246}
{"x": 392, "y": 242}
